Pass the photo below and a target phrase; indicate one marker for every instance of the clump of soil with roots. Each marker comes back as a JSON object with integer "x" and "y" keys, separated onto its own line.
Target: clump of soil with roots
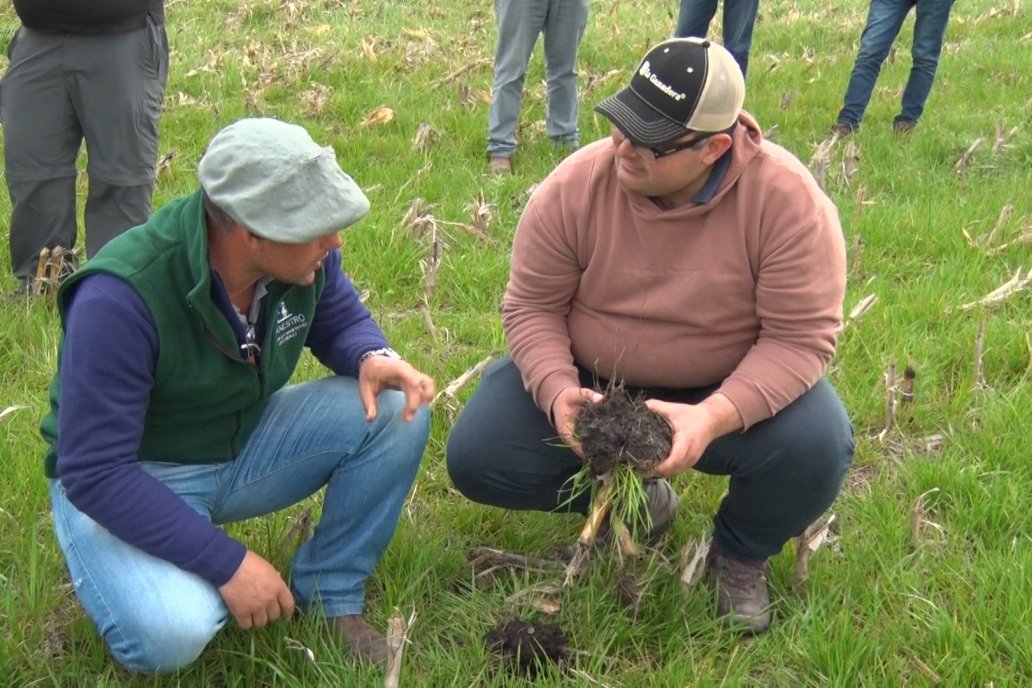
{"x": 620, "y": 431}
{"x": 623, "y": 441}
{"x": 526, "y": 647}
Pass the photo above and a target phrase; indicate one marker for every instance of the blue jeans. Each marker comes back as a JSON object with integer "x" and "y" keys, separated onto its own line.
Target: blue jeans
{"x": 157, "y": 617}
{"x": 519, "y": 22}
{"x": 883, "y": 24}
{"x": 785, "y": 471}
{"x": 739, "y": 17}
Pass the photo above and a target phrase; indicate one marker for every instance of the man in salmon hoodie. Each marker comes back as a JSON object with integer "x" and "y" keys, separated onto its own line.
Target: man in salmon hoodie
{"x": 704, "y": 268}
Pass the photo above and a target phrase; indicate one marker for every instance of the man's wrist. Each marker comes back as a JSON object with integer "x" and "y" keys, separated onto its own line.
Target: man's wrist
{"x": 723, "y": 414}
{"x": 385, "y": 351}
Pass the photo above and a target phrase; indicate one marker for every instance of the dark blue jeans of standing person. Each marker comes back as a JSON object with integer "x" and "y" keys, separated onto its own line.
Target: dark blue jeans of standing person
{"x": 739, "y": 17}
{"x": 884, "y": 20}
{"x": 785, "y": 471}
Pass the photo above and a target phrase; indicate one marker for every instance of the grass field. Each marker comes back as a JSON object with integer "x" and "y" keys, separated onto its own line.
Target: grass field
{"x": 926, "y": 578}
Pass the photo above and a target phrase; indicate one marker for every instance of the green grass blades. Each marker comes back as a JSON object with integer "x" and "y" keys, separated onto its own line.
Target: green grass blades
{"x": 915, "y": 587}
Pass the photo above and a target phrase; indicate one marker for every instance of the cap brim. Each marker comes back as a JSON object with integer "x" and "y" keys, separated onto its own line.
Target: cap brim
{"x": 638, "y": 121}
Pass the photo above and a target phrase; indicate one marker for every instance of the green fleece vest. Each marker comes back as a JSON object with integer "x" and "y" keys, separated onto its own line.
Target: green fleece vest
{"x": 206, "y": 399}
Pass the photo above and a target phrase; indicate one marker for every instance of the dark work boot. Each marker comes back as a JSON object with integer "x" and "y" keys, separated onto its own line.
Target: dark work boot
{"x": 841, "y": 130}
{"x": 903, "y": 127}
{"x": 743, "y": 600}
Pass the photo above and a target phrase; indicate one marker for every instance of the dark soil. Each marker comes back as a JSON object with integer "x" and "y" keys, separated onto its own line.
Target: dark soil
{"x": 622, "y": 430}
{"x": 525, "y": 647}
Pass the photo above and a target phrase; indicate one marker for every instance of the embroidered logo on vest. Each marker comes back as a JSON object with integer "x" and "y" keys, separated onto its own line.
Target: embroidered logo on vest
{"x": 288, "y": 326}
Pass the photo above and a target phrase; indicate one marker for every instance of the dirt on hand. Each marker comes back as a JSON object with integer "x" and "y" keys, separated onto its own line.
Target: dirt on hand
{"x": 622, "y": 430}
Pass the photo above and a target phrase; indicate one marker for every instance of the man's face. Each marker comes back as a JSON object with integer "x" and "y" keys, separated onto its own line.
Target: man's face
{"x": 294, "y": 263}
{"x": 673, "y": 179}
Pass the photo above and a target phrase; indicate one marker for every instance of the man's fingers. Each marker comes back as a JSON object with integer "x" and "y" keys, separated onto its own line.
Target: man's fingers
{"x": 286, "y": 602}
{"x": 368, "y": 396}
{"x": 658, "y": 406}
{"x": 413, "y": 398}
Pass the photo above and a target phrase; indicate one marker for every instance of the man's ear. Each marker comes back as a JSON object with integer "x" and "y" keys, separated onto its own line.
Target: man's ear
{"x": 716, "y": 146}
{"x": 249, "y": 238}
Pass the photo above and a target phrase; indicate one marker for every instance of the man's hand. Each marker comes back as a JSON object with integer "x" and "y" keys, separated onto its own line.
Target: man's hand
{"x": 695, "y": 426}
{"x": 380, "y": 372}
{"x": 566, "y": 408}
{"x": 256, "y": 594}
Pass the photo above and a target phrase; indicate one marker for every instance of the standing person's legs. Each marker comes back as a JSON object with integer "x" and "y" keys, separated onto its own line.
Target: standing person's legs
{"x": 694, "y": 17}
{"x": 503, "y": 451}
{"x": 929, "y": 31}
{"x": 41, "y": 141}
{"x": 884, "y": 20}
{"x": 739, "y": 19}
{"x": 564, "y": 29}
{"x": 315, "y": 434}
{"x": 785, "y": 472}
{"x": 118, "y": 87}
{"x": 519, "y": 23}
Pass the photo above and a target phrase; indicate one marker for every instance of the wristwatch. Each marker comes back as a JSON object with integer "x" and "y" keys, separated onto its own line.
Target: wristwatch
{"x": 386, "y": 352}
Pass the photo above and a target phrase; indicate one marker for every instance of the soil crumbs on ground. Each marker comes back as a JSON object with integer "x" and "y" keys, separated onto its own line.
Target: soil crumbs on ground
{"x": 525, "y": 647}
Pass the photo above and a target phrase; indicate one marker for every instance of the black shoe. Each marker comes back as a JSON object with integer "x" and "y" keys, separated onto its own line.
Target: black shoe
{"x": 903, "y": 127}
{"x": 842, "y": 129}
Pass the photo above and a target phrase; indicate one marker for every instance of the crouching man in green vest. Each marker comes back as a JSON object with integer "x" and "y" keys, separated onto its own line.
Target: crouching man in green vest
{"x": 170, "y": 412}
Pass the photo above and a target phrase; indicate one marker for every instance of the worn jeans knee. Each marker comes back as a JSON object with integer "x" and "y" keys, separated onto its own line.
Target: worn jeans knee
{"x": 785, "y": 472}
{"x": 503, "y": 450}
{"x": 154, "y": 616}
{"x": 163, "y": 643}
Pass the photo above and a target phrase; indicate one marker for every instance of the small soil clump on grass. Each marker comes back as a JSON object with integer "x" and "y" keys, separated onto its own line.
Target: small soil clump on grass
{"x": 622, "y": 430}
{"x": 525, "y": 647}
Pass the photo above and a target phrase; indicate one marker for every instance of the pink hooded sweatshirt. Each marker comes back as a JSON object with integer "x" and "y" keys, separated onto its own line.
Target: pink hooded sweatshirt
{"x": 744, "y": 291}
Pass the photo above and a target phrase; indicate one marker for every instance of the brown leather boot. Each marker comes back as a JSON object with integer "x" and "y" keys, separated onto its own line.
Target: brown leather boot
{"x": 501, "y": 165}
{"x": 362, "y": 640}
{"x": 743, "y": 600}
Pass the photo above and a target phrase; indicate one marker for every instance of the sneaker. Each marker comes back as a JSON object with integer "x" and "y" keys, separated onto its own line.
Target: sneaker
{"x": 903, "y": 127}
{"x": 842, "y": 129}
{"x": 743, "y": 599}
{"x": 501, "y": 165}
{"x": 362, "y": 640}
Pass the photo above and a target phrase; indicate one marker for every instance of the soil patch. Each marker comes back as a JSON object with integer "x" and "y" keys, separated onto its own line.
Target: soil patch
{"x": 620, "y": 429}
{"x": 525, "y": 647}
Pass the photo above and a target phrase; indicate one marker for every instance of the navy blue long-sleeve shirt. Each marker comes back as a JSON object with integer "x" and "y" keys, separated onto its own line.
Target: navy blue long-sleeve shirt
{"x": 110, "y": 336}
